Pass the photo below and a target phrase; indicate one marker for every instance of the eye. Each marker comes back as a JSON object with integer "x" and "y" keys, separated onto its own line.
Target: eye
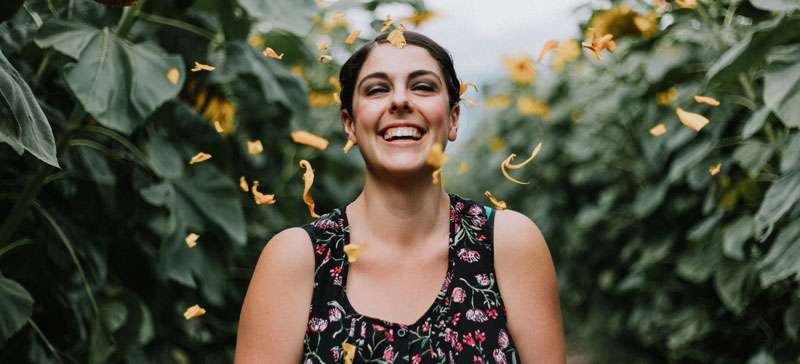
{"x": 424, "y": 86}
{"x": 375, "y": 89}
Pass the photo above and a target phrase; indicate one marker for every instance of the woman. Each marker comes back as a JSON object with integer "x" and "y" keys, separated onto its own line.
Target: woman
{"x": 488, "y": 273}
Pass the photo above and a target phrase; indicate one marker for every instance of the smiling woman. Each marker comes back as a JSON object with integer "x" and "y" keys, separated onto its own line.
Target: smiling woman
{"x": 445, "y": 279}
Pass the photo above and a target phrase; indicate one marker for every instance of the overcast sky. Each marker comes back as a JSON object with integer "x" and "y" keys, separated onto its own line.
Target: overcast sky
{"x": 479, "y": 34}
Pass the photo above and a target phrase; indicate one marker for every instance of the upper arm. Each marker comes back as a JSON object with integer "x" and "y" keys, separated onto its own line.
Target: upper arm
{"x": 527, "y": 280}
{"x": 274, "y": 315}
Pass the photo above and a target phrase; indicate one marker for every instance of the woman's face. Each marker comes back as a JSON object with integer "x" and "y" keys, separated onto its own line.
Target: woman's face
{"x": 400, "y": 86}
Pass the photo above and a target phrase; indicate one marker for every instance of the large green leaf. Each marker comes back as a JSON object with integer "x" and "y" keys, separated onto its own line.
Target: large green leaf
{"x": 292, "y": 15}
{"x": 65, "y": 36}
{"x": 783, "y": 259}
{"x": 780, "y": 197}
{"x": 791, "y": 155}
{"x": 752, "y": 156}
{"x": 735, "y": 235}
{"x": 23, "y": 124}
{"x": 733, "y": 281}
{"x": 776, "y": 5}
{"x": 782, "y": 85}
{"x": 689, "y": 158}
{"x": 16, "y": 306}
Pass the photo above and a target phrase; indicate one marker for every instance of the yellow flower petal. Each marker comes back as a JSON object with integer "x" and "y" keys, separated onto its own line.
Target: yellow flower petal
{"x": 200, "y": 157}
{"x": 348, "y": 146}
{"x": 202, "y": 67}
{"x": 173, "y": 76}
{"x": 658, "y": 130}
{"x": 260, "y": 198}
{"x": 350, "y": 352}
{"x": 243, "y": 184}
{"x": 691, "y": 120}
{"x": 547, "y": 47}
{"x": 533, "y": 155}
{"x": 497, "y": 102}
{"x": 194, "y": 311}
{"x": 597, "y": 45}
{"x": 323, "y": 46}
{"x": 666, "y": 98}
{"x": 304, "y": 137}
{"x": 686, "y": 4}
{"x": 308, "y": 180}
{"x": 500, "y": 205}
{"x": 505, "y": 173}
{"x": 436, "y": 156}
{"x": 191, "y": 240}
{"x": 325, "y": 58}
{"x": 520, "y": 69}
{"x": 436, "y": 175}
{"x": 352, "y": 37}
{"x": 420, "y": 17}
{"x": 387, "y": 23}
{"x": 463, "y": 167}
{"x": 465, "y": 85}
{"x": 354, "y": 251}
{"x": 706, "y": 100}
{"x": 254, "y": 146}
{"x": 218, "y": 127}
{"x": 397, "y": 38}
{"x": 715, "y": 169}
{"x": 269, "y": 52}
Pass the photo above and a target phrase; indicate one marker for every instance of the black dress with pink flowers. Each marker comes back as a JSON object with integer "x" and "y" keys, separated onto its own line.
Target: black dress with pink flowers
{"x": 465, "y": 324}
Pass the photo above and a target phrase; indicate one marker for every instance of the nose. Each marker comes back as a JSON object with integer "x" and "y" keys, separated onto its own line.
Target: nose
{"x": 400, "y": 101}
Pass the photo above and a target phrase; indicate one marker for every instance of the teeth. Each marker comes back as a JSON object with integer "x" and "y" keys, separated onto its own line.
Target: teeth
{"x": 401, "y": 132}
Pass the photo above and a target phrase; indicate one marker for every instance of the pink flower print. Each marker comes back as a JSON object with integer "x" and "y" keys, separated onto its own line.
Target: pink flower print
{"x": 327, "y": 257}
{"x": 480, "y": 237}
{"x": 475, "y": 210}
{"x": 388, "y": 354}
{"x": 426, "y": 326}
{"x": 336, "y": 275}
{"x": 502, "y": 339}
{"x": 446, "y": 282}
{"x": 454, "y": 320}
{"x": 317, "y": 324}
{"x": 440, "y": 353}
{"x": 459, "y": 205}
{"x": 459, "y": 348}
{"x": 477, "y": 360}
{"x": 319, "y": 248}
{"x": 477, "y": 315}
{"x": 363, "y": 329}
{"x": 416, "y": 359}
{"x": 326, "y": 224}
{"x": 492, "y": 313}
{"x": 469, "y": 256}
{"x": 480, "y": 336}
{"x": 499, "y": 356}
{"x": 377, "y": 327}
{"x": 389, "y": 335}
{"x": 468, "y": 339}
{"x": 459, "y": 294}
{"x": 483, "y": 279}
{"x": 308, "y": 361}
{"x": 335, "y": 352}
{"x": 334, "y": 315}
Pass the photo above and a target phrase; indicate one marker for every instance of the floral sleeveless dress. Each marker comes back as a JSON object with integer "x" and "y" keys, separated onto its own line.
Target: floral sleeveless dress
{"x": 465, "y": 324}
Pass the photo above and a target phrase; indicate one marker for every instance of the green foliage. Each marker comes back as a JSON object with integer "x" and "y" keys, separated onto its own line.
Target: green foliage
{"x": 658, "y": 260}
{"x": 95, "y": 265}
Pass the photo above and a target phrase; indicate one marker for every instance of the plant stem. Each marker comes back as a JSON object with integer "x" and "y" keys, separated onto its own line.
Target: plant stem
{"x": 46, "y": 342}
{"x": 177, "y": 24}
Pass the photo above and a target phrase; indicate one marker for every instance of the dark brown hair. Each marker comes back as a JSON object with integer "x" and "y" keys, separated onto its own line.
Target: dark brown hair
{"x": 348, "y": 75}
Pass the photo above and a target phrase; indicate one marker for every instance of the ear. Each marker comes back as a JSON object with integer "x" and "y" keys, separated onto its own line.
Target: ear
{"x": 349, "y": 126}
{"x": 452, "y": 132}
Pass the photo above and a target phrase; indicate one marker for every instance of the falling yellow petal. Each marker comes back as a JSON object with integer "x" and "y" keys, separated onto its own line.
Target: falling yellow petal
{"x": 352, "y": 37}
{"x": 500, "y": 205}
{"x": 191, "y": 240}
{"x": 706, "y": 100}
{"x": 308, "y": 180}
{"x": 436, "y": 175}
{"x": 193, "y": 312}
{"x": 269, "y": 52}
{"x": 323, "y": 46}
{"x": 254, "y": 146}
{"x": 463, "y": 167}
{"x": 715, "y": 169}
{"x": 200, "y": 157}
{"x": 533, "y": 155}
{"x": 218, "y": 127}
{"x": 243, "y": 184}
{"x": 350, "y": 352}
{"x": 348, "y": 146}
{"x": 354, "y": 251}
{"x": 658, "y": 130}
{"x": 173, "y": 75}
{"x": 420, "y": 17}
{"x": 260, "y": 198}
{"x": 691, "y": 120}
{"x": 598, "y": 44}
{"x": 397, "y": 38}
{"x": 505, "y": 173}
{"x": 464, "y": 86}
{"x": 436, "y": 156}
{"x": 547, "y": 47}
{"x": 304, "y": 137}
{"x": 325, "y": 58}
{"x": 202, "y": 67}
{"x": 665, "y": 98}
{"x": 387, "y": 23}
{"x": 687, "y": 4}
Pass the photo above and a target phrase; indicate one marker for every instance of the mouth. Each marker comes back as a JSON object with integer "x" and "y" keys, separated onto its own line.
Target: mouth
{"x": 403, "y": 136}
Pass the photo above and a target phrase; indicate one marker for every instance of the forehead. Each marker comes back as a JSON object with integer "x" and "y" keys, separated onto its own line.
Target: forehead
{"x": 399, "y": 61}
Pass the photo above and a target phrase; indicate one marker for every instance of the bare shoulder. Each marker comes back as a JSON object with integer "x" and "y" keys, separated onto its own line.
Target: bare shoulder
{"x": 527, "y": 282}
{"x": 275, "y": 309}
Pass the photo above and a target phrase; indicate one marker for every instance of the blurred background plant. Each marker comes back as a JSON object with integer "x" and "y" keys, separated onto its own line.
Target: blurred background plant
{"x": 672, "y": 244}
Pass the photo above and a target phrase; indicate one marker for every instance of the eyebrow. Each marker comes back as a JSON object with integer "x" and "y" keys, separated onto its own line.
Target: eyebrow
{"x": 383, "y": 75}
